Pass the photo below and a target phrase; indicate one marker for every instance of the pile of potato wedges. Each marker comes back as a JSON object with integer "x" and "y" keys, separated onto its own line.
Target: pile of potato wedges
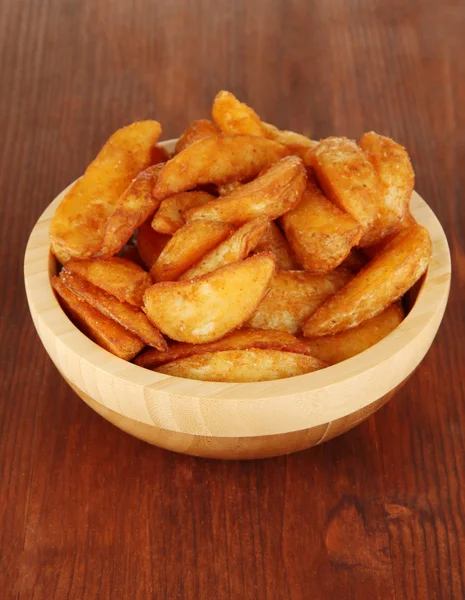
{"x": 249, "y": 254}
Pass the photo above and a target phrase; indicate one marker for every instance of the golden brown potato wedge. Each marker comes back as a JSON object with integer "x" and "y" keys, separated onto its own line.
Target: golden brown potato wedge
{"x": 129, "y": 317}
{"x": 226, "y": 188}
{"x": 79, "y": 224}
{"x": 293, "y": 296}
{"x": 205, "y": 309}
{"x": 242, "y": 366}
{"x": 394, "y": 169}
{"x": 238, "y": 246}
{"x": 347, "y": 178}
{"x": 102, "y": 330}
{"x": 242, "y": 339}
{"x": 196, "y": 131}
{"x": 320, "y": 234}
{"x": 383, "y": 281}
{"x": 333, "y": 349}
{"x": 168, "y": 218}
{"x": 150, "y": 244}
{"x": 117, "y": 276}
{"x": 219, "y": 159}
{"x": 187, "y": 246}
{"x": 234, "y": 117}
{"x": 271, "y": 194}
{"x": 134, "y": 207}
{"x": 298, "y": 144}
{"x": 273, "y": 240}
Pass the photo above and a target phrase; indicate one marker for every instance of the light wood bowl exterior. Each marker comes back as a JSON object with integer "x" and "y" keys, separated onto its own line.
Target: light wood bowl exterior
{"x": 236, "y": 420}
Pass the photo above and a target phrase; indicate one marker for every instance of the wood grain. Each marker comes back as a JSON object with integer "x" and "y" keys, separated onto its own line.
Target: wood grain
{"x": 88, "y": 512}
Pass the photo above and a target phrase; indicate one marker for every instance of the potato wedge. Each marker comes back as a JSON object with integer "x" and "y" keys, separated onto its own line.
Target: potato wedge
{"x": 347, "y": 178}
{"x": 218, "y": 159}
{"x": 234, "y": 117}
{"x": 237, "y": 247}
{"x": 129, "y": 317}
{"x": 205, "y": 309}
{"x": 133, "y": 208}
{"x": 242, "y": 339}
{"x": 79, "y": 223}
{"x": 273, "y": 240}
{"x": 117, "y": 276}
{"x": 242, "y": 366}
{"x": 150, "y": 244}
{"x": 383, "y": 281}
{"x": 333, "y": 349}
{"x": 226, "y": 188}
{"x": 293, "y": 296}
{"x": 187, "y": 246}
{"x": 196, "y": 131}
{"x": 297, "y": 144}
{"x": 102, "y": 330}
{"x": 271, "y": 194}
{"x": 395, "y": 172}
{"x": 320, "y": 234}
{"x": 168, "y": 218}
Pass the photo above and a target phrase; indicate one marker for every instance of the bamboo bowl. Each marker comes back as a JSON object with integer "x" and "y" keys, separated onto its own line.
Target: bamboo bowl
{"x": 237, "y": 420}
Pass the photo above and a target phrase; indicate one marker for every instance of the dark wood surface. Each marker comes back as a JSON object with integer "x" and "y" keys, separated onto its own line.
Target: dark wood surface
{"x": 86, "y": 511}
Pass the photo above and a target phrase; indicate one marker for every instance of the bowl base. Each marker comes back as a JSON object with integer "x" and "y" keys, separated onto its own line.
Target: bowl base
{"x": 235, "y": 448}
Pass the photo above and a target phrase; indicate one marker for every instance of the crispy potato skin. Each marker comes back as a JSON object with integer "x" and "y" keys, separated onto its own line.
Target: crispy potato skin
{"x": 129, "y": 317}
{"x": 273, "y": 240}
{"x": 237, "y": 247}
{"x": 169, "y": 217}
{"x": 397, "y": 178}
{"x": 333, "y": 349}
{"x": 293, "y": 296}
{"x": 133, "y": 208}
{"x": 150, "y": 244}
{"x": 219, "y": 159}
{"x": 79, "y": 224}
{"x": 242, "y": 365}
{"x": 319, "y": 233}
{"x": 206, "y": 308}
{"x": 102, "y": 330}
{"x": 197, "y": 130}
{"x": 187, "y": 246}
{"x": 242, "y": 339}
{"x": 383, "y": 281}
{"x": 271, "y": 194}
{"x": 347, "y": 178}
{"x": 117, "y": 276}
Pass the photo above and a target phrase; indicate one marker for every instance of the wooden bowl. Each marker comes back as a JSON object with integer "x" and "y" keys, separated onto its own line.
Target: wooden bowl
{"x": 236, "y": 420}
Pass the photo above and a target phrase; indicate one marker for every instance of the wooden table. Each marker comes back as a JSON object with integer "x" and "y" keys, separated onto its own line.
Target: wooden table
{"x": 86, "y": 511}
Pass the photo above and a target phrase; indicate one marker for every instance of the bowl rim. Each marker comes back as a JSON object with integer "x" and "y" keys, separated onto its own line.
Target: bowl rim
{"x": 430, "y": 303}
